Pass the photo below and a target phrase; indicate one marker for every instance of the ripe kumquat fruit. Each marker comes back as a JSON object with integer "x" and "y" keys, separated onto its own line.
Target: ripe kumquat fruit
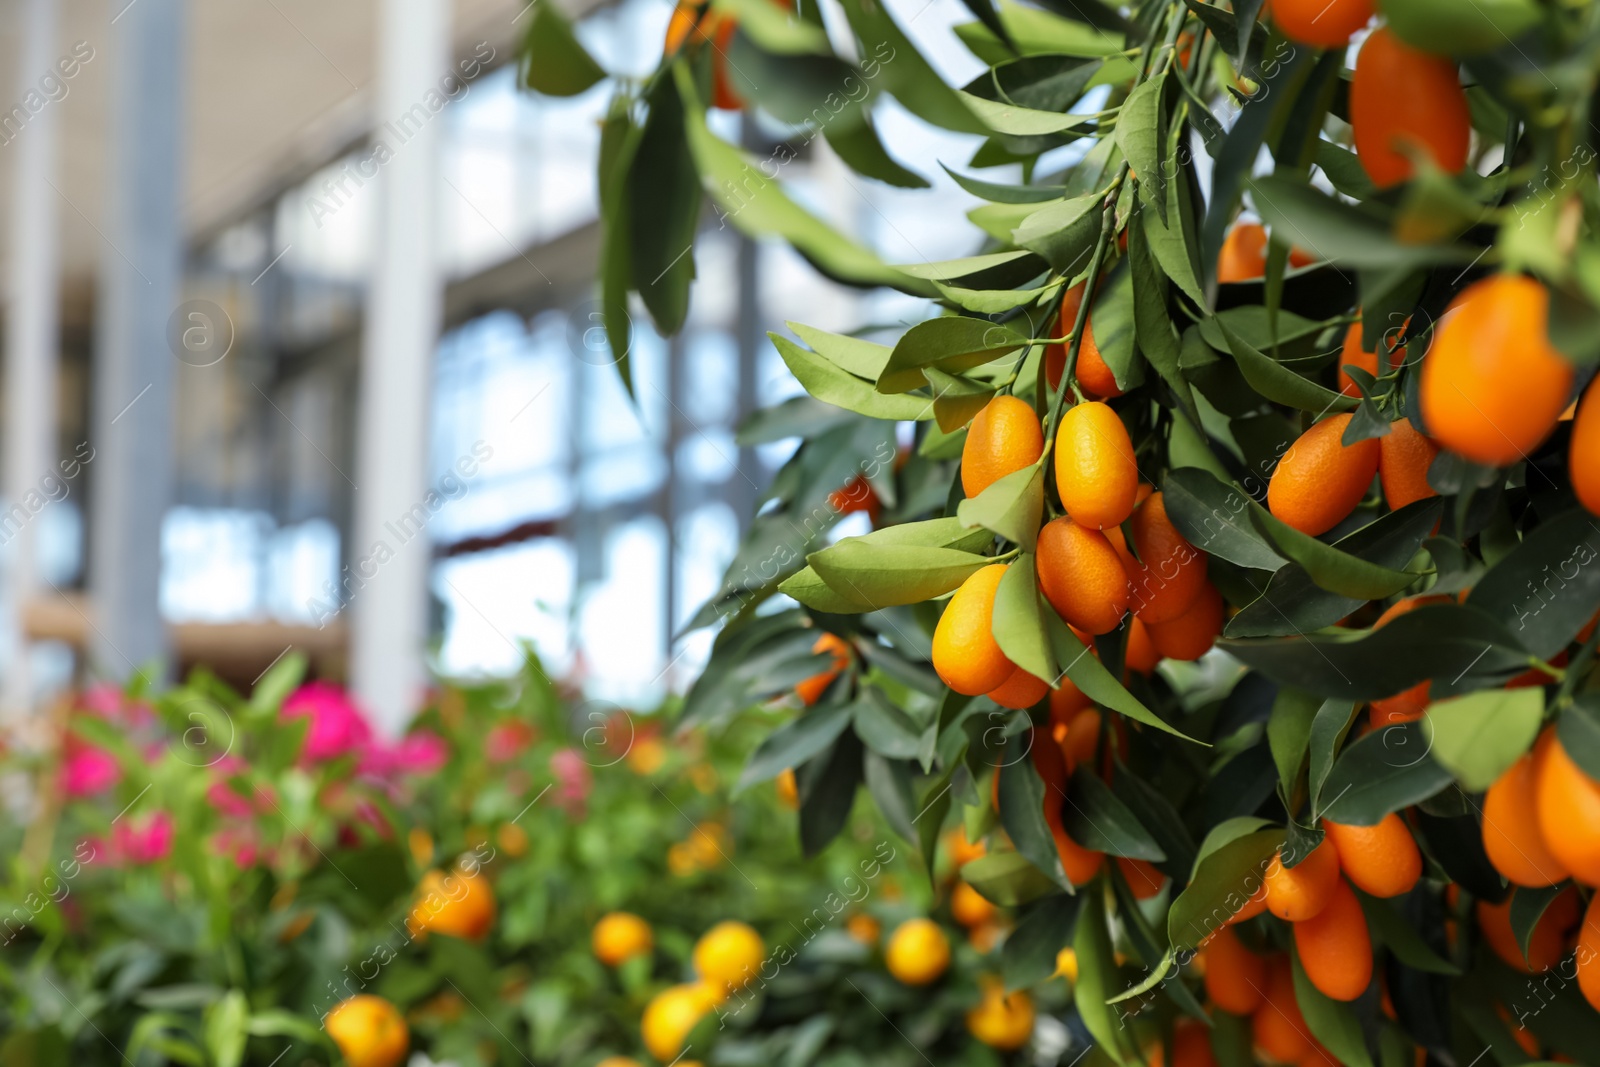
{"x": 1277, "y": 1028}
{"x": 1096, "y": 474}
{"x": 1141, "y": 656}
{"x": 369, "y": 1031}
{"x": 1001, "y": 1020}
{"x": 692, "y": 23}
{"x": 1548, "y": 943}
{"x": 1583, "y": 457}
{"x": 1404, "y": 456}
{"x": 1003, "y": 438}
{"x": 1020, "y": 690}
{"x": 1354, "y": 355}
{"x": 1301, "y": 892}
{"x": 729, "y": 954}
{"x": 1320, "y": 480}
{"x": 1404, "y": 99}
{"x": 620, "y": 936}
{"x": 1192, "y": 634}
{"x": 1080, "y": 864}
{"x": 672, "y": 1015}
{"x": 1191, "y": 1045}
{"x": 1334, "y": 946}
{"x": 1381, "y": 860}
{"x": 1588, "y": 955}
{"x": 965, "y": 653}
{"x": 1092, "y": 373}
{"x": 1492, "y": 386}
{"x": 1244, "y": 253}
{"x": 1569, "y": 809}
{"x": 1235, "y": 977}
{"x": 1082, "y": 576}
{"x": 1170, "y": 573}
{"x": 918, "y": 952}
{"x": 970, "y": 907}
{"x": 1511, "y": 835}
{"x": 811, "y": 690}
{"x": 459, "y": 904}
{"x": 1319, "y": 23}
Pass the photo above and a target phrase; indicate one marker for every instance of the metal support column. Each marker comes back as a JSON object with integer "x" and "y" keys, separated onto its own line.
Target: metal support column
{"x": 32, "y": 339}
{"x": 389, "y": 610}
{"x": 140, "y": 268}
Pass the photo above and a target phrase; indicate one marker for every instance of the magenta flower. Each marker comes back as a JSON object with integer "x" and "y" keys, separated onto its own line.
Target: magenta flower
{"x": 419, "y": 752}
{"x": 88, "y": 771}
{"x": 142, "y": 841}
{"x": 573, "y": 780}
{"x": 337, "y": 728}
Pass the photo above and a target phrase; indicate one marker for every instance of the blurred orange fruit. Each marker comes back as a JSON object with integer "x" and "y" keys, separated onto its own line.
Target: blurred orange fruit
{"x": 918, "y": 952}
{"x": 369, "y": 1031}
{"x": 729, "y": 954}
{"x": 1319, "y": 23}
{"x": 1569, "y": 810}
{"x": 970, "y": 907}
{"x": 1235, "y": 977}
{"x": 460, "y": 904}
{"x": 1403, "y": 99}
{"x": 672, "y": 1015}
{"x": 1277, "y": 1028}
{"x": 1001, "y": 1020}
{"x": 620, "y": 936}
{"x": 811, "y": 690}
{"x": 1244, "y": 253}
{"x": 1492, "y": 386}
{"x": 1583, "y": 458}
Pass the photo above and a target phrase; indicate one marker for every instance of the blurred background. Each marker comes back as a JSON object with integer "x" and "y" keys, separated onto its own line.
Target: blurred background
{"x": 300, "y": 347}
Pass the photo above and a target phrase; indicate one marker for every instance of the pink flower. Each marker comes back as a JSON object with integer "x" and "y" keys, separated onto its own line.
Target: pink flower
{"x": 572, "y": 780}
{"x": 337, "y": 726}
{"x": 89, "y": 771}
{"x": 238, "y": 844}
{"x": 507, "y": 740}
{"x": 142, "y": 841}
{"x": 109, "y": 703}
{"x": 419, "y": 752}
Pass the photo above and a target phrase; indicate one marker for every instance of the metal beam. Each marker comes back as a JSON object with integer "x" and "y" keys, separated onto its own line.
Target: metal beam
{"x": 32, "y": 340}
{"x": 140, "y": 266}
{"x": 389, "y": 557}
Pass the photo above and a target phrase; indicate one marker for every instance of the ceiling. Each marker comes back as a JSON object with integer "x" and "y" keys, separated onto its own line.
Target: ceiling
{"x": 274, "y": 89}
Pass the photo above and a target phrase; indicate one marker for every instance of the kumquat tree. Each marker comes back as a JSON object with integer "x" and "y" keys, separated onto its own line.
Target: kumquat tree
{"x": 1228, "y": 612}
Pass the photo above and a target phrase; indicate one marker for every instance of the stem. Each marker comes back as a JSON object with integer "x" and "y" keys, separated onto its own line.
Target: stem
{"x": 1108, "y": 224}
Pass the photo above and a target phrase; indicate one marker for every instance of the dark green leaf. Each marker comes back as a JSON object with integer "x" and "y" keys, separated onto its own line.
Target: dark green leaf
{"x": 1331, "y": 1022}
{"x": 1215, "y": 518}
{"x": 1022, "y": 804}
{"x": 664, "y": 206}
{"x": 1382, "y": 772}
{"x": 1028, "y": 956}
{"x": 1546, "y": 590}
{"x": 796, "y": 742}
{"x": 553, "y": 61}
{"x": 953, "y": 344}
{"x": 1097, "y": 981}
{"x": 1097, "y": 819}
{"x": 1401, "y": 938}
{"x": 1007, "y": 878}
{"x": 827, "y": 787}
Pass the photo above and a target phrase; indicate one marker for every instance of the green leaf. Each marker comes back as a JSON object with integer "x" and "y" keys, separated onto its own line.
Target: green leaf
{"x": 1289, "y": 735}
{"x": 1332, "y": 569}
{"x": 1028, "y": 956}
{"x": 1173, "y": 239}
{"x": 953, "y": 344}
{"x": 808, "y": 587}
{"x": 795, "y": 742}
{"x": 1380, "y": 773}
{"x": 1331, "y": 1022}
{"x": 1328, "y": 731}
{"x": 1010, "y": 507}
{"x": 1140, "y": 136}
{"x": 1545, "y": 588}
{"x": 956, "y": 400}
{"x": 1447, "y": 28}
{"x": 1278, "y": 383}
{"x": 885, "y": 728}
{"x": 1225, "y": 879}
{"x": 1018, "y": 622}
{"x": 889, "y": 56}
{"x": 757, "y": 206}
{"x": 1097, "y": 683}
{"x": 1063, "y": 232}
{"x": 1477, "y": 737}
{"x": 989, "y": 301}
{"x": 1022, "y": 803}
{"x": 1022, "y": 121}
{"x": 1338, "y": 232}
{"x": 1578, "y": 729}
{"x": 1391, "y": 929}
{"x": 553, "y": 61}
{"x": 864, "y": 359}
{"x": 1437, "y": 641}
{"x": 281, "y": 679}
{"x": 1007, "y": 878}
{"x": 225, "y": 1029}
{"x": 862, "y": 150}
{"x": 1097, "y": 819}
{"x": 1214, "y": 517}
{"x": 664, "y": 198}
{"x": 829, "y": 383}
{"x": 1114, "y": 327}
{"x": 882, "y": 575}
{"x": 1294, "y": 604}
{"x": 776, "y": 28}
{"x": 1097, "y": 981}
{"x": 997, "y": 193}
